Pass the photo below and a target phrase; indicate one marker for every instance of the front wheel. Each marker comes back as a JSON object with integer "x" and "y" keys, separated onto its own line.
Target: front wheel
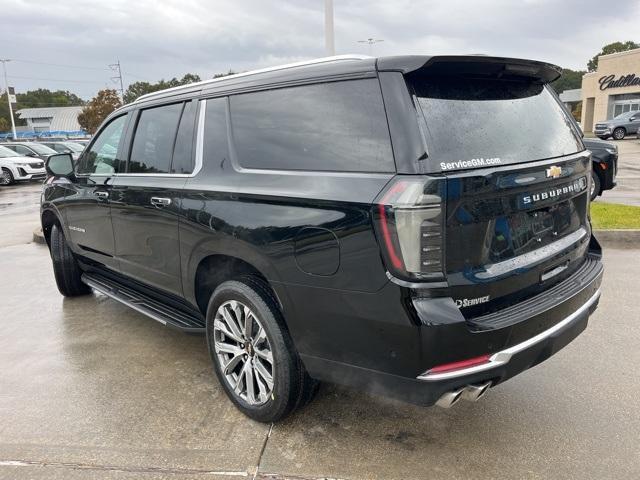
{"x": 595, "y": 186}
{"x": 252, "y": 352}
{"x": 65, "y": 266}
{"x": 7, "y": 177}
{"x": 619, "y": 133}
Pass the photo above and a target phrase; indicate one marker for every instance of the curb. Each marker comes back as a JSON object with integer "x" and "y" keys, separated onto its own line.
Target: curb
{"x": 38, "y": 236}
{"x": 618, "y": 238}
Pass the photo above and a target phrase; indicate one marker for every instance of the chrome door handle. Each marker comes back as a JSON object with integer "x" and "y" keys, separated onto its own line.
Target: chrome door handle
{"x": 160, "y": 202}
{"x": 101, "y": 194}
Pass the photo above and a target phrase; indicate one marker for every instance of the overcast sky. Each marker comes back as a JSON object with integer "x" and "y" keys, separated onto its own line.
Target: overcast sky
{"x": 167, "y": 38}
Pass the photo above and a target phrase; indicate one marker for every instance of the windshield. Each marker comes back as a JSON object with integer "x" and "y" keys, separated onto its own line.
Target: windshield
{"x": 7, "y": 152}
{"x": 477, "y": 122}
{"x": 42, "y": 149}
{"x": 74, "y": 147}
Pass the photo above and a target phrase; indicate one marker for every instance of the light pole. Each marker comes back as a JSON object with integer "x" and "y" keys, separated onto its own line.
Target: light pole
{"x": 329, "y": 41}
{"x": 6, "y": 86}
{"x": 370, "y": 42}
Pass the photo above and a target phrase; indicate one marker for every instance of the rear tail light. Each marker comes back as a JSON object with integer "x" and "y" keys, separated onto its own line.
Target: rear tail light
{"x": 460, "y": 365}
{"x": 409, "y": 220}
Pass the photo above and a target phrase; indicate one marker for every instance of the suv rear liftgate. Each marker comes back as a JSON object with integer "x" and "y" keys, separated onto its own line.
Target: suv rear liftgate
{"x": 496, "y": 239}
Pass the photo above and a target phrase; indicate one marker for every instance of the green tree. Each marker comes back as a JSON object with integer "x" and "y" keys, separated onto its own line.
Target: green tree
{"x": 611, "y": 48}
{"x": 220, "y": 75}
{"x": 137, "y": 89}
{"x": 92, "y": 115}
{"x": 569, "y": 80}
{"x": 5, "y": 125}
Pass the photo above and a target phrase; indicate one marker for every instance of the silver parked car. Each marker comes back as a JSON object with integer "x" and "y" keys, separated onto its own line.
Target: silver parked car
{"x": 618, "y": 127}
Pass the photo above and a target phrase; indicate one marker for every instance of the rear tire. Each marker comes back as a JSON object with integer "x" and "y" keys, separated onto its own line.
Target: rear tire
{"x": 596, "y": 186}
{"x": 65, "y": 266}
{"x": 7, "y": 177}
{"x": 257, "y": 365}
{"x": 619, "y": 133}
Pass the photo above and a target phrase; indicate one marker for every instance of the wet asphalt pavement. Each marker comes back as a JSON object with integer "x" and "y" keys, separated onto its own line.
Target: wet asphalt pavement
{"x": 92, "y": 389}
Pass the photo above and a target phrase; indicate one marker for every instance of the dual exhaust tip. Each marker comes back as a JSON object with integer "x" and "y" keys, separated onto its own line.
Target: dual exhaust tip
{"x": 471, "y": 393}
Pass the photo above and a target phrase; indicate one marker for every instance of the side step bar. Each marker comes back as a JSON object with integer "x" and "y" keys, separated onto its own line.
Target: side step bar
{"x": 146, "y": 305}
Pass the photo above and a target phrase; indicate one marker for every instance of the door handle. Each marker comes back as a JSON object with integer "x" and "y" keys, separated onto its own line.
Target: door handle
{"x": 101, "y": 194}
{"x": 160, "y": 202}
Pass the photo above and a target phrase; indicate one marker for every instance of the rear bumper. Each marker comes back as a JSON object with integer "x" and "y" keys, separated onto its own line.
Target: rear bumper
{"x": 536, "y": 348}
{"x": 427, "y": 390}
{"x": 539, "y": 330}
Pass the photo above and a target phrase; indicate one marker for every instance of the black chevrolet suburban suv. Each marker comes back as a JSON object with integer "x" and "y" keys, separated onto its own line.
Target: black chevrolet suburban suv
{"x": 411, "y": 226}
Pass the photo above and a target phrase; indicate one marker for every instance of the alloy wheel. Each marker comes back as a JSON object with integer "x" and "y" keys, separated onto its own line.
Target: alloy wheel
{"x": 5, "y": 178}
{"x": 618, "y": 134}
{"x": 244, "y": 352}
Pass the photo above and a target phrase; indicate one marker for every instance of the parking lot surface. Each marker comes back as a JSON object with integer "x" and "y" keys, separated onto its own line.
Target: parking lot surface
{"x": 92, "y": 389}
{"x": 628, "y": 189}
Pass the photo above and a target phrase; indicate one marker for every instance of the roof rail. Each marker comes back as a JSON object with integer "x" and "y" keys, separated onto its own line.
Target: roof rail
{"x": 336, "y": 58}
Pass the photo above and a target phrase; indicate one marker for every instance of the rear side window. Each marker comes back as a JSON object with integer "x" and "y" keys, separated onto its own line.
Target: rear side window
{"x": 480, "y": 122}
{"x": 339, "y": 126}
{"x": 154, "y": 139}
{"x": 183, "y": 150}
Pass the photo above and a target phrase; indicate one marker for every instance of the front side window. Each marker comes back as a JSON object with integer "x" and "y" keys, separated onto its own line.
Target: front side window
{"x": 42, "y": 149}
{"x": 23, "y": 150}
{"x": 153, "y": 143}
{"x": 101, "y": 158}
{"x": 74, "y": 147}
{"x": 338, "y": 126}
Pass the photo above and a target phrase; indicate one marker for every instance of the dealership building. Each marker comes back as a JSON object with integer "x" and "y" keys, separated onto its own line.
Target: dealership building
{"x": 611, "y": 90}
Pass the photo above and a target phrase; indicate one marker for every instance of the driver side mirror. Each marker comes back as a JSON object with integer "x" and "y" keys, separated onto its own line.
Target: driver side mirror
{"x": 60, "y": 165}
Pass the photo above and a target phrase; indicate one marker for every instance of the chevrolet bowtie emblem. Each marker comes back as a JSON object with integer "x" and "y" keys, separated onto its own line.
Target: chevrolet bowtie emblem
{"x": 554, "y": 171}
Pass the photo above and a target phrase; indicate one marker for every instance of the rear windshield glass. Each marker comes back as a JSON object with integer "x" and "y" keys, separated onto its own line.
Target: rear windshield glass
{"x": 472, "y": 122}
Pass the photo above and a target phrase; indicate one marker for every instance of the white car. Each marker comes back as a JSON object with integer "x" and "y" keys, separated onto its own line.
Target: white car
{"x": 15, "y": 167}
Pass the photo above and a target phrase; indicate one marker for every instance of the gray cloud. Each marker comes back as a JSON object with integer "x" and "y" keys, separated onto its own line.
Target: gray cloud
{"x": 156, "y": 40}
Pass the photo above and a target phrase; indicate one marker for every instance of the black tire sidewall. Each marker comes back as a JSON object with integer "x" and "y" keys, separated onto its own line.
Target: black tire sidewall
{"x": 287, "y": 373}
{"x": 66, "y": 270}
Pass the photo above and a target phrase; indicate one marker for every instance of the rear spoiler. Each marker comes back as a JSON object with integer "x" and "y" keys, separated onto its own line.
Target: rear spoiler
{"x": 471, "y": 65}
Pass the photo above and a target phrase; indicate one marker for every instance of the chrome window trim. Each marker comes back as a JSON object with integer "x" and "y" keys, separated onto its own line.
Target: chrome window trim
{"x": 198, "y": 157}
{"x": 504, "y": 356}
{"x": 178, "y": 89}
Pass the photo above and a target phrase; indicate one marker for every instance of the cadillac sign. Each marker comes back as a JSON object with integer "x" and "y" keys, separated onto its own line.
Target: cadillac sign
{"x": 610, "y": 81}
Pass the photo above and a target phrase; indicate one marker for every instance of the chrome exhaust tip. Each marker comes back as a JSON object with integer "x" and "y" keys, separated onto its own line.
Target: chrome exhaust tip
{"x": 473, "y": 393}
{"x": 449, "y": 399}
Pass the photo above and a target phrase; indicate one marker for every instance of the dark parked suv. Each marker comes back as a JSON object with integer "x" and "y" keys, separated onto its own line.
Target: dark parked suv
{"x": 411, "y": 226}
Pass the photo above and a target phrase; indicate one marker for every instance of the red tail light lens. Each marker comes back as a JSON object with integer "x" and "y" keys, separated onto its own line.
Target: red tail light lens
{"x": 471, "y": 362}
{"x": 409, "y": 223}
